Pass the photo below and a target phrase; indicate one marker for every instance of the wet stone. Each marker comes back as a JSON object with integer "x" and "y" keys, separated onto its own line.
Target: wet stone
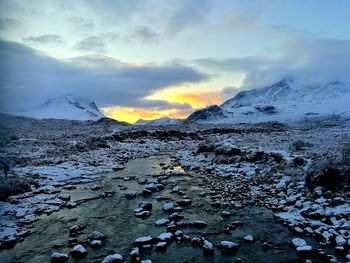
{"x": 208, "y": 248}
{"x": 228, "y": 247}
{"x": 161, "y": 246}
{"x": 57, "y": 257}
{"x": 78, "y": 251}
{"x": 95, "y": 235}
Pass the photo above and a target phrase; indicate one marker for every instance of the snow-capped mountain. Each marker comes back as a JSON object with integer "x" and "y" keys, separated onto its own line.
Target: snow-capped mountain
{"x": 160, "y": 121}
{"x": 286, "y": 100}
{"x": 70, "y": 107}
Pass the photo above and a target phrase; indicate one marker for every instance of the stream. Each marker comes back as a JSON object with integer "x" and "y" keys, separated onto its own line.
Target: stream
{"x": 114, "y": 217}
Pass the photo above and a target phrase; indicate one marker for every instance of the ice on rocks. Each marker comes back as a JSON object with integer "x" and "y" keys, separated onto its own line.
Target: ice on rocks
{"x": 298, "y": 242}
{"x": 57, "y": 257}
{"x": 168, "y": 207}
{"x": 95, "y": 235}
{"x": 162, "y": 222}
{"x": 78, "y": 251}
{"x": 114, "y": 258}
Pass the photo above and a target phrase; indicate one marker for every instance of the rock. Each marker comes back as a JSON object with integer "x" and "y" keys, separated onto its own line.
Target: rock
{"x": 298, "y": 242}
{"x": 199, "y": 224}
{"x": 74, "y": 229}
{"x": 196, "y": 240}
{"x": 59, "y": 257}
{"x": 71, "y": 205}
{"x": 146, "y": 192}
{"x": 228, "y": 247}
{"x": 95, "y": 187}
{"x": 168, "y": 207}
{"x": 248, "y": 238}
{"x": 9, "y": 242}
{"x": 135, "y": 252}
{"x": 265, "y": 245}
{"x": 175, "y": 216}
{"x": 305, "y": 250}
{"x": 147, "y": 206}
{"x": 143, "y": 214}
{"x": 115, "y": 258}
{"x": 64, "y": 197}
{"x": 107, "y": 193}
{"x": 208, "y": 248}
{"x": 95, "y": 235}
{"x": 225, "y": 214}
{"x": 171, "y": 227}
{"x": 165, "y": 237}
{"x": 237, "y": 223}
{"x": 179, "y": 233}
{"x": 78, "y": 251}
{"x": 162, "y": 222}
{"x": 96, "y": 243}
{"x": 175, "y": 189}
{"x": 216, "y": 204}
{"x": 340, "y": 240}
{"x": 184, "y": 202}
{"x": 143, "y": 241}
{"x": 131, "y": 195}
{"x": 161, "y": 246}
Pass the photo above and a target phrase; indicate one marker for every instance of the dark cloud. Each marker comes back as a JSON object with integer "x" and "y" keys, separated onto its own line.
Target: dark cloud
{"x": 187, "y": 14}
{"x": 45, "y": 39}
{"x": 9, "y": 23}
{"x": 311, "y": 61}
{"x": 162, "y": 105}
{"x": 29, "y": 77}
{"x": 145, "y": 33}
{"x": 234, "y": 64}
{"x": 92, "y": 43}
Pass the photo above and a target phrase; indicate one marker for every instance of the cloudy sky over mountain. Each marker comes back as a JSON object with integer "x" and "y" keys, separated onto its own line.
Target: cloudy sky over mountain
{"x": 148, "y": 59}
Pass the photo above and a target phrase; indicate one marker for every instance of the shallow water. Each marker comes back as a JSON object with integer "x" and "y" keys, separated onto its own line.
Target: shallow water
{"x": 114, "y": 217}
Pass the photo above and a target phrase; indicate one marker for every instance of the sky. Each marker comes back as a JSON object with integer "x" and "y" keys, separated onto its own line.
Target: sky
{"x": 155, "y": 58}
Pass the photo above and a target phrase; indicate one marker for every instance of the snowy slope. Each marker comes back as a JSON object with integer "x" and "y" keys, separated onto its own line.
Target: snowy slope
{"x": 286, "y": 100}
{"x": 160, "y": 121}
{"x": 68, "y": 107}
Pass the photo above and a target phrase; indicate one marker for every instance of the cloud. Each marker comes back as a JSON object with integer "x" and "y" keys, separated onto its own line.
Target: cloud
{"x": 9, "y": 23}
{"x": 228, "y": 93}
{"x": 92, "y": 43}
{"x": 82, "y": 24}
{"x": 311, "y": 61}
{"x": 45, "y": 39}
{"x": 29, "y": 77}
{"x": 235, "y": 64}
{"x": 145, "y": 33}
{"x": 187, "y": 14}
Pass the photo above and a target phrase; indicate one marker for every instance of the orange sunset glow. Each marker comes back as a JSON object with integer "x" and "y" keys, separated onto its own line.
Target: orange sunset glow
{"x": 133, "y": 114}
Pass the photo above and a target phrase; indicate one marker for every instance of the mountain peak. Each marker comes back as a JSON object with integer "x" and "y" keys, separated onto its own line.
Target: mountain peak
{"x": 69, "y": 106}
{"x": 284, "y": 100}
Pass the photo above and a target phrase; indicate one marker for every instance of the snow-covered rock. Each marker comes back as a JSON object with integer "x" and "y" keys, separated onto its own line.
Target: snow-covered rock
{"x": 57, "y": 257}
{"x": 228, "y": 246}
{"x": 78, "y": 251}
{"x": 114, "y": 258}
{"x": 160, "y": 121}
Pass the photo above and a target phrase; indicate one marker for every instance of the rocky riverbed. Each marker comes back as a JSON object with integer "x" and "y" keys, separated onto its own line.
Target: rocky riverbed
{"x": 245, "y": 193}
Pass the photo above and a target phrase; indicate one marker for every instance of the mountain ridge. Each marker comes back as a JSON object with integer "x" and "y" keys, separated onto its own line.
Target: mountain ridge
{"x": 286, "y": 100}
{"x": 69, "y": 107}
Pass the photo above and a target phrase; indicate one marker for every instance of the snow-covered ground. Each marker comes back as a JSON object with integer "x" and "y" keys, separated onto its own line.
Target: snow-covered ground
{"x": 242, "y": 164}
